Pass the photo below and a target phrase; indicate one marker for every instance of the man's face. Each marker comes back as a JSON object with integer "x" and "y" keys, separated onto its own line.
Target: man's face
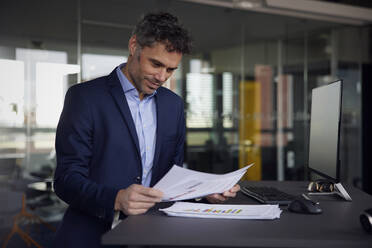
{"x": 150, "y": 67}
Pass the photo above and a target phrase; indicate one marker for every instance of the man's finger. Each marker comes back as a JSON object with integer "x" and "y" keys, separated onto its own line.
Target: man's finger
{"x": 150, "y": 192}
{"x": 139, "y": 197}
{"x": 235, "y": 189}
{"x": 135, "y": 211}
{"x": 229, "y": 194}
{"x": 218, "y": 197}
{"x": 140, "y": 205}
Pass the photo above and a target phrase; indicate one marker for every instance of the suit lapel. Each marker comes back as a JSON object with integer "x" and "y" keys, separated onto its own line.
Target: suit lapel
{"x": 159, "y": 124}
{"x": 117, "y": 93}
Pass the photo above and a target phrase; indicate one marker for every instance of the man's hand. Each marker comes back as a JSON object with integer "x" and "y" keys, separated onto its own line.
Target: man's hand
{"x": 137, "y": 199}
{"x": 219, "y": 198}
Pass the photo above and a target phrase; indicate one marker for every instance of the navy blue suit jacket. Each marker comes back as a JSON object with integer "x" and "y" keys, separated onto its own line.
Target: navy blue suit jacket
{"x": 98, "y": 154}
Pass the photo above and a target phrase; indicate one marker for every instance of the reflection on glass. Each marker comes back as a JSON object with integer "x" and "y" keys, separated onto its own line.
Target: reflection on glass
{"x": 11, "y": 93}
{"x": 199, "y": 100}
{"x": 197, "y": 138}
{"x": 45, "y": 84}
{"x": 227, "y": 98}
{"x": 51, "y": 86}
{"x": 97, "y": 65}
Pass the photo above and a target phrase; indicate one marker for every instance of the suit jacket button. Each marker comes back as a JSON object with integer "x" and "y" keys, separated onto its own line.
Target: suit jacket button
{"x": 138, "y": 179}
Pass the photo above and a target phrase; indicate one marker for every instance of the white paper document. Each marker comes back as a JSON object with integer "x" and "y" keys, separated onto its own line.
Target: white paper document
{"x": 200, "y": 210}
{"x": 182, "y": 184}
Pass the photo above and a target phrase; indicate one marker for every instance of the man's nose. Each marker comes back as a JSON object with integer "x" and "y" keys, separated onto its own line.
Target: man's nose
{"x": 161, "y": 75}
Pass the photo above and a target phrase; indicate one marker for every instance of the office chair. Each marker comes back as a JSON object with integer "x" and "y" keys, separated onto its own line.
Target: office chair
{"x": 15, "y": 196}
{"x": 40, "y": 174}
{"x": 23, "y": 217}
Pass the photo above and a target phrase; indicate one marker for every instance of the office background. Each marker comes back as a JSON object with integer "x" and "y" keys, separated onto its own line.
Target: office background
{"x": 247, "y": 85}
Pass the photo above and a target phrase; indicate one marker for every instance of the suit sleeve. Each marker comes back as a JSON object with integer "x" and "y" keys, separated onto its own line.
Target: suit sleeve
{"x": 74, "y": 145}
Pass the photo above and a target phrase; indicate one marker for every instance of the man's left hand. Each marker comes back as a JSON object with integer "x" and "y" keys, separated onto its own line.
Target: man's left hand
{"x": 219, "y": 198}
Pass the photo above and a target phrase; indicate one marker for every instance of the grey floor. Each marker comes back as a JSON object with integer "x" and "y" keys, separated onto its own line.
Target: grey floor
{"x": 37, "y": 232}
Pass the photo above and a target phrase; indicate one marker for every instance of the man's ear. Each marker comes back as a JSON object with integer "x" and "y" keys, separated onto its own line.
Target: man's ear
{"x": 132, "y": 46}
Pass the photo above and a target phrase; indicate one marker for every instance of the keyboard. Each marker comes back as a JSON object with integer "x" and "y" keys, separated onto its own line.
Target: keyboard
{"x": 268, "y": 195}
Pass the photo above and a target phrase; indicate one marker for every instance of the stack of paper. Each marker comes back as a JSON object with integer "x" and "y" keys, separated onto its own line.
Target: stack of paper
{"x": 200, "y": 210}
{"x": 182, "y": 184}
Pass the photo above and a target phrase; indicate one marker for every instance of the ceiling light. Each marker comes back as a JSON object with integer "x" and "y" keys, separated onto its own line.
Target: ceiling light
{"x": 247, "y": 4}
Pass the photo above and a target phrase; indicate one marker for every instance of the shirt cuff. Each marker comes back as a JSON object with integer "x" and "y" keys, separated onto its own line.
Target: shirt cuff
{"x": 116, "y": 220}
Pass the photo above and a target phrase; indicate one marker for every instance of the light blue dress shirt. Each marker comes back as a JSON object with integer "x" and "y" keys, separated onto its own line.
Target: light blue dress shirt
{"x": 144, "y": 117}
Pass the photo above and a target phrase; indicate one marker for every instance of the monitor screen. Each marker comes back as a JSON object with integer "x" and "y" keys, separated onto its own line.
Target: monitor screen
{"x": 325, "y": 130}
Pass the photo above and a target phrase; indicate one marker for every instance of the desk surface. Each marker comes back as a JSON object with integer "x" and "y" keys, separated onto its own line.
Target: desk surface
{"x": 337, "y": 226}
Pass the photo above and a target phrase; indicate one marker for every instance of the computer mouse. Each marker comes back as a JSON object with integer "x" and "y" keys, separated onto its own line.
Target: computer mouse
{"x": 305, "y": 206}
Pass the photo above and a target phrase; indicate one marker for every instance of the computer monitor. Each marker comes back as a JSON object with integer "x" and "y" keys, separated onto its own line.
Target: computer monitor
{"x": 325, "y": 124}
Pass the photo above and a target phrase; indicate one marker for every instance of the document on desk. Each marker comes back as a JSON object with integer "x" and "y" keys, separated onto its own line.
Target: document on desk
{"x": 201, "y": 210}
{"x": 182, "y": 184}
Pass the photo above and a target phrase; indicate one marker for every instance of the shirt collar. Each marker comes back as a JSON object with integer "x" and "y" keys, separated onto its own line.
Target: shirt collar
{"x": 125, "y": 84}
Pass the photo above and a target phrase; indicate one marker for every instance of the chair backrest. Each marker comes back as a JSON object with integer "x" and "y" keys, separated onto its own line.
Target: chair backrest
{"x": 11, "y": 201}
{"x": 35, "y": 162}
{"x": 7, "y": 168}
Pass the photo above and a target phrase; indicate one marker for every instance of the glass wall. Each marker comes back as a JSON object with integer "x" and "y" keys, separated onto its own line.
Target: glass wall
{"x": 36, "y": 70}
{"x": 247, "y": 85}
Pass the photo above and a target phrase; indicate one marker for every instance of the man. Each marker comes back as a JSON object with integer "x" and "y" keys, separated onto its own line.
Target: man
{"x": 119, "y": 134}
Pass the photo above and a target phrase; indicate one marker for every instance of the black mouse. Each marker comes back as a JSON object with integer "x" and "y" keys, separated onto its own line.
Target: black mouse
{"x": 305, "y": 206}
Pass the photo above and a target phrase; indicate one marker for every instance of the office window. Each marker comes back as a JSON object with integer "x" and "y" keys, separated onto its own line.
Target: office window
{"x": 11, "y": 93}
{"x": 227, "y": 93}
{"x": 97, "y": 65}
{"x": 45, "y": 84}
{"x": 199, "y": 99}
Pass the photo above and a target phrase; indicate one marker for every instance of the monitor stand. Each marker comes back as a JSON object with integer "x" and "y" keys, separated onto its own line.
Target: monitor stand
{"x": 339, "y": 190}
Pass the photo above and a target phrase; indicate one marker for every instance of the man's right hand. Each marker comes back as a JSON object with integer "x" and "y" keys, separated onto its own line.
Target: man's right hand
{"x": 137, "y": 199}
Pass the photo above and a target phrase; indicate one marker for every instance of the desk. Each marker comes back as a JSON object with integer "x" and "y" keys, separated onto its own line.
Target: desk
{"x": 337, "y": 226}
